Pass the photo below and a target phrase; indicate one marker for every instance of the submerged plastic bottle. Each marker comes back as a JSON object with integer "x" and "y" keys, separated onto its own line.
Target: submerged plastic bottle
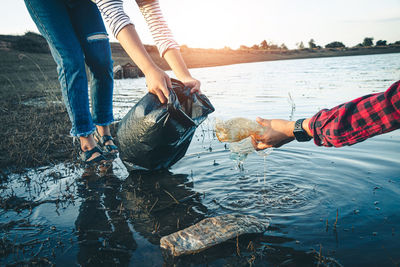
{"x": 236, "y": 129}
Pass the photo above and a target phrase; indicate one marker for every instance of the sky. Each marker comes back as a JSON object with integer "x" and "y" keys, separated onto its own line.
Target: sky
{"x": 220, "y": 23}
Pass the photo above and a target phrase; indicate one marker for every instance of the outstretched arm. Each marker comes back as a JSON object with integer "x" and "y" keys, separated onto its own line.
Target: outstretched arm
{"x": 346, "y": 124}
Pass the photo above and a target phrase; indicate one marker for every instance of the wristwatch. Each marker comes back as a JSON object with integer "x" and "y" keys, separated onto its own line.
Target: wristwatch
{"x": 299, "y": 133}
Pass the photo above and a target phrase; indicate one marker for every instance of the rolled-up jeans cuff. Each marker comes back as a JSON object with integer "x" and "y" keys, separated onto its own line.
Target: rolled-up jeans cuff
{"x": 104, "y": 124}
{"x": 84, "y": 133}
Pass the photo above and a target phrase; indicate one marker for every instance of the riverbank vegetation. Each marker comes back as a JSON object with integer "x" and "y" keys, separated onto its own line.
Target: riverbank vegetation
{"x": 367, "y": 43}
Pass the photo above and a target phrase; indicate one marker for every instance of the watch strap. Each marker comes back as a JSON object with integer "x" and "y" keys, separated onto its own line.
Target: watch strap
{"x": 299, "y": 133}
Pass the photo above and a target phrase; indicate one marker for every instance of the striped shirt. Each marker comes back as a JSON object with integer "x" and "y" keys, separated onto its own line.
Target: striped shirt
{"x": 114, "y": 14}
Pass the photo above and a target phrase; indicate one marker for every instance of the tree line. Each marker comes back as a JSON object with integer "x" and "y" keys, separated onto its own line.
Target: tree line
{"x": 367, "y": 42}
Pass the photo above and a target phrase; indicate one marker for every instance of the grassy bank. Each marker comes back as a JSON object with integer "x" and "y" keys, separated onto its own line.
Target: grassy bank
{"x": 35, "y": 125}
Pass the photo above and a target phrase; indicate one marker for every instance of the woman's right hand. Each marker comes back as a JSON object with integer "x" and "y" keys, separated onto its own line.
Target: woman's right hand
{"x": 156, "y": 79}
{"x": 158, "y": 83}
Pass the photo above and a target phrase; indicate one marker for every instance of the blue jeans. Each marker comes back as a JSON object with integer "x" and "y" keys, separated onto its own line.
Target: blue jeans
{"x": 76, "y": 34}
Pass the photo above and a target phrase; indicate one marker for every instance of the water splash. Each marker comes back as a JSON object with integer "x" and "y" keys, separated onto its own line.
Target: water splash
{"x": 265, "y": 153}
{"x": 240, "y": 150}
{"x": 293, "y": 106}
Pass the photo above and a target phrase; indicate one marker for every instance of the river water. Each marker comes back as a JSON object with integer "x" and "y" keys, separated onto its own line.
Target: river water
{"x": 325, "y": 205}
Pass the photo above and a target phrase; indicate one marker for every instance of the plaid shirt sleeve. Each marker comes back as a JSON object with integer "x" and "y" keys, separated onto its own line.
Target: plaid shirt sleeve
{"x": 357, "y": 120}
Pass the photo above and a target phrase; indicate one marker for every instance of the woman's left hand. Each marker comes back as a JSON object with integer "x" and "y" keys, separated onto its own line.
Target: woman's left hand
{"x": 192, "y": 83}
{"x": 177, "y": 64}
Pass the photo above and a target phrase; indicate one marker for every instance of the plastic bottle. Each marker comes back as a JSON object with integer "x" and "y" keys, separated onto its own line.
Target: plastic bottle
{"x": 236, "y": 129}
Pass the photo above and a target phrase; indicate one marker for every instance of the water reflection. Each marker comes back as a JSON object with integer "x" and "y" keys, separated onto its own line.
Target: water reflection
{"x": 104, "y": 237}
{"x": 112, "y": 221}
{"x": 160, "y": 203}
{"x": 155, "y": 204}
{"x": 152, "y": 204}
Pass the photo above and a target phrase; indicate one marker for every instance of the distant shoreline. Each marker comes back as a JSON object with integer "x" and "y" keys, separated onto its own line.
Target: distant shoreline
{"x": 201, "y": 58}
{"x": 196, "y": 59}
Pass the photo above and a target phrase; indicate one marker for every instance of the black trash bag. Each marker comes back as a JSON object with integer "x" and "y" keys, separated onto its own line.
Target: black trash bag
{"x": 154, "y": 135}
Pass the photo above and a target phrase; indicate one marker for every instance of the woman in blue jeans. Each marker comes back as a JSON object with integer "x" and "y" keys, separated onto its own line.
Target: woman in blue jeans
{"x": 76, "y": 35}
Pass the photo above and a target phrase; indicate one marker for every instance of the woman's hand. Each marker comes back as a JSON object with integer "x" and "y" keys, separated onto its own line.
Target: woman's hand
{"x": 192, "y": 83}
{"x": 158, "y": 83}
{"x": 156, "y": 79}
{"x": 177, "y": 64}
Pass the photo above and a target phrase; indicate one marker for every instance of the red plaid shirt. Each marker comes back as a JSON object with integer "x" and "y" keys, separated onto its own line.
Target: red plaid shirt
{"x": 357, "y": 120}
